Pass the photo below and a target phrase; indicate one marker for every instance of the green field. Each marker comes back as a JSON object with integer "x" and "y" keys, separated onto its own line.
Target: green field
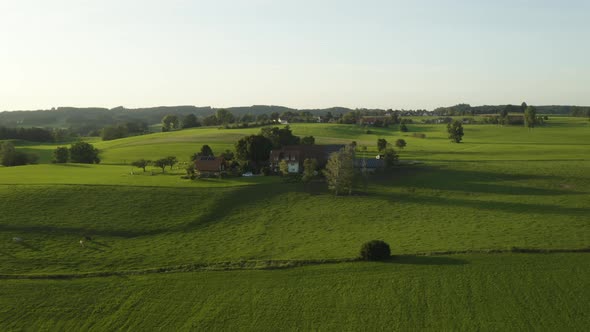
{"x": 503, "y": 187}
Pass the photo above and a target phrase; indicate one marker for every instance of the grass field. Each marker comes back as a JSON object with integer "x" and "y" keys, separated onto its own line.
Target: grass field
{"x": 460, "y": 292}
{"x": 503, "y": 187}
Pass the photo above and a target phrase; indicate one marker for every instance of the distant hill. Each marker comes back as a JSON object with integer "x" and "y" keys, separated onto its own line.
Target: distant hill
{"x": 466, "y": 109}
{"x": 67, "y": 117}
{"x": 96, "y": 117}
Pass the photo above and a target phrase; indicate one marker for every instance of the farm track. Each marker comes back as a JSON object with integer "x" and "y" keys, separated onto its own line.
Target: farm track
{"x": 273, "y": 264}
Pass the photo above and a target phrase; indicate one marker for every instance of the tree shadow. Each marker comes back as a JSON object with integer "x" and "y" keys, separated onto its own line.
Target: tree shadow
{"x": 469, "y": 181}
{"x": 426, "y": 260}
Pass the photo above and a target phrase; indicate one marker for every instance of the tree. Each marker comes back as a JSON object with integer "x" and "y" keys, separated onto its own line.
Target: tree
{"x": 224, "y": 116}
{"x": 339, "y": 171}
{"x": 254, "y": 148}
{"x": 283, "y": 167}
{"x": 308, "y": 140}
{"x": 523, "y": 106}
{"x": 61, "y": 155}
{"x": 9, "y": 156}
{"x": 274, "y": 116}
{"x": 381, "y": 144}
{"x": 227, "y": 155}
{"x": 309, "y": 168}
{"x": 206, "y": 151}
{"x": 114, "y": 132}
{"x": 262, "y": 118}
{"x": 390, "y": 157}
{"x": 84, "y": 153}
{"x": 280, "y": 136}
{"x": 530, "y": 117}
{"x": 141, "y": 163}
{"x": 455, "y": 130}
{"x": 169, "y": 122}
{"x": 211, "y": 120}
{"x": 403, "y": 128}
{"x": 190, "y": 121}
{"x": 171, "y": 161}
{"x": 400, "y": 143}
{"x": 375, "y": 250}
{"x": 162, "y": 163}
{"x": 247, "y": 118}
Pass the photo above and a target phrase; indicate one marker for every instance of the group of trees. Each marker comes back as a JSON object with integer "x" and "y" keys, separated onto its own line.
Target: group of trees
{"x": 79, "y": 152}
{"x": 10, "y": 156}
{"x": 160, "y": 163}
{"x": 255, "y": 149}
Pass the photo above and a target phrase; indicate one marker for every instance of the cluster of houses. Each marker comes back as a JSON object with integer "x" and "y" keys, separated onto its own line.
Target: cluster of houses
{"x": 293, "y": 155}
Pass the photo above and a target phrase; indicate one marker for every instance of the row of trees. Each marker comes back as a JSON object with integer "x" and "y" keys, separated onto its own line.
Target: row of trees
{"x": 27, "y": 134}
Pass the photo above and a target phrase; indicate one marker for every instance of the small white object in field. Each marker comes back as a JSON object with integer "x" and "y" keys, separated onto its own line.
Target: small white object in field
{"x": 81, "y": 243}
{"x": 17, "y": 239}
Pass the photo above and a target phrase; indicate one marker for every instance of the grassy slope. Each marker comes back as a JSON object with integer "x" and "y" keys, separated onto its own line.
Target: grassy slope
{"x": 559, "y": 140}
{"x": 461, "y": 292}
{"x": 430, "y": 208}
{"x": 503, "y": 187}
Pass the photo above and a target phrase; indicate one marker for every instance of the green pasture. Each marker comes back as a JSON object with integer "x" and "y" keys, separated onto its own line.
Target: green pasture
{"x": 502, "y": 187}
{"x": 563, "y": 138}
{"x": 497, "y": 292}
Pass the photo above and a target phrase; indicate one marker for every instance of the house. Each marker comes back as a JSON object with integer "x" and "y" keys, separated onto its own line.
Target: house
{"x": 209, "y": 165}
{"x": 295, "y": 155}
{"x": 283, "y": 121}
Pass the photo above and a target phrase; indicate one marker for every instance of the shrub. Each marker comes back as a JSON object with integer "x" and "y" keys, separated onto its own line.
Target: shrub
{"x": 375, "y": 250}
{"x": 419, "y": 135}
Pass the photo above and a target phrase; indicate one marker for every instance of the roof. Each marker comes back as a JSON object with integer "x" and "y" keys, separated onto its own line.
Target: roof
{"x": 299, "y": 152}
{"x": 209, "y": 164}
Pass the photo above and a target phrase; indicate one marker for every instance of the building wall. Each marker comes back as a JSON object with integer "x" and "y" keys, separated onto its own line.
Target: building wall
{"x": 293, "y": 167}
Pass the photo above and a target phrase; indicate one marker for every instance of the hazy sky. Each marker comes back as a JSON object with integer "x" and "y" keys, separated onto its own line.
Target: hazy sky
{"x": 386, "y": 54}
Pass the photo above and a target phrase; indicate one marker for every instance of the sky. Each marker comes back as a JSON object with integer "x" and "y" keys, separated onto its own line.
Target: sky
{"x": 295, "y": 53}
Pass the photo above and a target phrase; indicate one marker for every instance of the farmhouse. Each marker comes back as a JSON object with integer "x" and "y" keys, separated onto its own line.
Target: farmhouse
{"x": 295, "y": 155}
{"x": 210, "y": 165}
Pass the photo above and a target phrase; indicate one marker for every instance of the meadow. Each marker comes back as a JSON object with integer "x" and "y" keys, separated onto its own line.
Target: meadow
{"x": 503, "y": 187}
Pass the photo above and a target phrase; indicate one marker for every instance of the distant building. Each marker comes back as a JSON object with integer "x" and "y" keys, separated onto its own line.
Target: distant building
{"x": 209, "y": 165}
{"x": 283, "y": 121}
{"x": 295, "y": 155}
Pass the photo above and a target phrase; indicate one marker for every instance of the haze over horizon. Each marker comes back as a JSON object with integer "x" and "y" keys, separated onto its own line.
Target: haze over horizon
{"x": 300, "y": 54}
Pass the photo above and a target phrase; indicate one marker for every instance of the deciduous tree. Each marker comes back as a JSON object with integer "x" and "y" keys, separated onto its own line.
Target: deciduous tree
{"x": 455, "y": 131}
{"x": 141, "y": 163}
{"x": 84, "y": 153}
{"x": 381, "y": 144}
{"x": 400, "y": 143}
{"x": 61, "y": 155}
{"x": 339, "y": 171}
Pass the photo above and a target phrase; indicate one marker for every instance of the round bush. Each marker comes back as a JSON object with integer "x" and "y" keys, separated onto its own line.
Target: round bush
{"x": 375, "y": 250}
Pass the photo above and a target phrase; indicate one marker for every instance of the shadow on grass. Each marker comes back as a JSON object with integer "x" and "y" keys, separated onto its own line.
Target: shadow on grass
{"x": 468, "y": 181}
{"x": 74, "y": 165}
{"x": 426, "y": 260}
